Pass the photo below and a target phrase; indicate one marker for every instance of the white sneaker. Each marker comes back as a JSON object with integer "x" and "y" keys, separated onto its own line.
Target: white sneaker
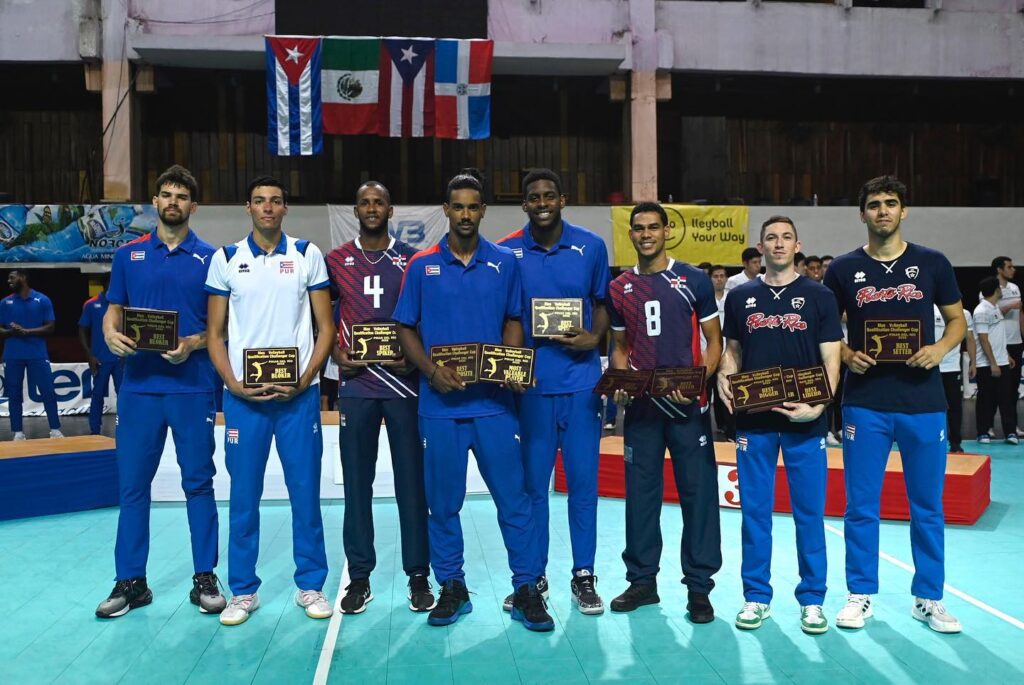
{"x": 239, "y": 608}
{"x": 315, "y": 603}
{"x": 609, "y": 426}
{"x": 831, "y": 440}
{"x": 933, "y": 613}
{"x": 752, "y": 615}
{"x": 858, "y": 608}
{"x": 812, "y": 620}
{"x": 20, "y": 436}
{"x": 55, "y": 433}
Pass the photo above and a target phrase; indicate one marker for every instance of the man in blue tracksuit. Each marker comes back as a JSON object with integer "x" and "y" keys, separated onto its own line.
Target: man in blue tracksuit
{"x": 890, "y": 278}
{"x": 165, "y": 270}
{"x": 465, "y": 289}
{"x": 25, "y": 317}
{"x": 560, "y": 260}
{"x": 104, "y": 365}
{"x": 787, "y": 320}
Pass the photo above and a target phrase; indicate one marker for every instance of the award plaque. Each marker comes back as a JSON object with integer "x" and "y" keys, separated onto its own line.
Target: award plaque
{"x": 155, "y": 330}
{"x": 375, "y": 342}
{"x": 892, "y": 340}
{"x": 501, "y": 364}
{"x": 689, "y": 381}
{"x": 792, "y": 389}
{"x": 813, "y": 385}
{"x": 554, "y": 317}
{"x": 634, "y": 383}
{"x": 270, "y": 366}
{"x": 762, "y": 389}
{"x": 464, "y": 358}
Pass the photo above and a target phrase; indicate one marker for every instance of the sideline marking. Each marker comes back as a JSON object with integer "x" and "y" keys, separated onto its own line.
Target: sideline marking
{"x": 945, "y": 586}
{"x": 323, "y": 666}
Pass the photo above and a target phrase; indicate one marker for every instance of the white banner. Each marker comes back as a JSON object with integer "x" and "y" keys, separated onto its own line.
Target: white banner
{"x": 419, "y": 226}
{"x": 72, "y": 383}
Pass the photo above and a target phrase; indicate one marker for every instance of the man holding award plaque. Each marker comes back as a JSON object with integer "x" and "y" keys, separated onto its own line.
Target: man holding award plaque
{"x": 658, "y": 311}
{"x": 457, "y": 297}
{"x": 376, "y": 384}
{"x": 790, "y": 321}
{"x": 894, "y": 392}
{"x": 166, "y": 385}
{"x": 565, "y": 282}
{"x": 275, "y": 286}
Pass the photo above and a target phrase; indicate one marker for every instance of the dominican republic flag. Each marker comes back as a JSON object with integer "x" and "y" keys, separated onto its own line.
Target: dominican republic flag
{"x": 462, "y": 88}
{"x": 293, "y": 96}
{"x": 406, "y": 95}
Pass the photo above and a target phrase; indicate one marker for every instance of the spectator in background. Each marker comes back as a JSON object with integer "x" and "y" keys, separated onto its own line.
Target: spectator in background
{"x": 801, "y": 263}
{"x": 826, "y": 261}
{"x": 994, "y": 366}
{"x": 705, "y": 267}
{"x": 1009, "y": 304}
{"x": 103, "y": 364}
{"x": 952, "y": 378}
{"x": 813, "y": 268}
{"x": 751, "y": 266}
{"x": 26, "y": 317}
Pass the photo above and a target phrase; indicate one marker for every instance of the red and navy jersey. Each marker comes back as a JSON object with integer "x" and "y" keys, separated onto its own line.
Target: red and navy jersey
{"x": 781, "y": 326}
{"x": 661, "y": 314}
{"x": 903, "y": 288}
{"x": 367, "y": 284}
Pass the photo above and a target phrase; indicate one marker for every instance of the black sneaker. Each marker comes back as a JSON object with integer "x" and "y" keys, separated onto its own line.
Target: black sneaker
{"x": 542, "y": 588}
{"x": 127, "y": 595}
{"x": 357, "y": 594}
{"x": 206, "y": 593}
{"x": 529, "y": 607}
{"x": 454, "y": 602}
{"x": 699, "y": 606}
{"x": 956, "y": 448}
{"x": 636, "y": 595}
{"x": 584, "y": 594}
{"x": 420, "y": 597}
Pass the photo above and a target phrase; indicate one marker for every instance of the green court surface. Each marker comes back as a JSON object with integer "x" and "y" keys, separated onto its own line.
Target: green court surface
{"x": 55, "y": 570}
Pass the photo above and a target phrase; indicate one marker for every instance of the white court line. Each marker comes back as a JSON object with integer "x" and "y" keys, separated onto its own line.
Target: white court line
{"x": 323, "y": 666}
{"x": 945, "y": 586}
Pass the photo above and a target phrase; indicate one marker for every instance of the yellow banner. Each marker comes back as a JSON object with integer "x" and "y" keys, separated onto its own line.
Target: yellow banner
{"x": 699, "y": 233}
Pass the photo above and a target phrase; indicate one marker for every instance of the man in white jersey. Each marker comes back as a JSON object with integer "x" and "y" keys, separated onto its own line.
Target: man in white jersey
{"x": 952, "y": 379}
{"x": 995, "y": 366}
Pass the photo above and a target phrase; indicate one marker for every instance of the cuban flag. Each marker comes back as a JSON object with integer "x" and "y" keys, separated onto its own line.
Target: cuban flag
{"x": 462, "y": 88}
{"x": 406, "y": 88}
{"x": 294, "y": 122}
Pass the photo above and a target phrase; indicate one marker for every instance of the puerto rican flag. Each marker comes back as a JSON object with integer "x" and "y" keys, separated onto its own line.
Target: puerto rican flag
{"x": 406, "y": 88}
{"x": 462, "y": 86}
{"x": 294, "y": 122}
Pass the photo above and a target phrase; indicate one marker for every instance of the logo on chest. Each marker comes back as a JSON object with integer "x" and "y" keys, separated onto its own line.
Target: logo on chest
{"x": 399, "y": 261}
{"x": 138, "y": 256}
{"x": 906, "y": 292}
{"x": 677, "y": 283}
{"x": 787, "y": 322}
{"x": 243, "y": 268}
{"x": 287, "y": 267}
{"x": 350, "y": 260}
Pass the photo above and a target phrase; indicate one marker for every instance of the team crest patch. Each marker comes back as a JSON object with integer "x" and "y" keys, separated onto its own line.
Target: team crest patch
{"x": 286, "y": 267}
{"x": 851, "y": 432}
{"x": 741, "y": 443}
{"x": 797, "y": 302}
{"x": 138, "y": 256}
{"x": 232, "y": 434}
{"x": 399, "y": 261}
{"x": 677, "y": 283}
{"x": 432, "y": 270}
{"x": 912, "y": 271}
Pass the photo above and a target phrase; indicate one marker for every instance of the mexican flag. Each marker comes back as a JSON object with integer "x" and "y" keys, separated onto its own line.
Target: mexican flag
{"x": 348, "y": 85}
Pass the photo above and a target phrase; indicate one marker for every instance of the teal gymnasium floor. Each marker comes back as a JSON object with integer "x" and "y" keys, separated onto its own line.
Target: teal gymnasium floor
{"x": 54, "y": 570}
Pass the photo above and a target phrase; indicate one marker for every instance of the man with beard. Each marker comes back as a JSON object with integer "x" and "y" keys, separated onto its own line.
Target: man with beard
{"x": 26, "y": 316}
{"x": 560, "y": 260}
{"x": 890, "y": 278}
{"x": 165, "y": 270}
{"x": 276, "y": 287}
{"x": 659, "y": 309}
{"x": 366, "y": 274}
{"x": 465, "y": 289}
{"x": 791, "y": 321}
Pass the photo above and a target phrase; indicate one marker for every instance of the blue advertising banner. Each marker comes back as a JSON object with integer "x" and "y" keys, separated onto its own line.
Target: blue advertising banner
{"x": 70, "y": 233}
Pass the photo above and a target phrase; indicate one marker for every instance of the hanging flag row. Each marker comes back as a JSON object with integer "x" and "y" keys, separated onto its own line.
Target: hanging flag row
{"x": 392, "y": 87}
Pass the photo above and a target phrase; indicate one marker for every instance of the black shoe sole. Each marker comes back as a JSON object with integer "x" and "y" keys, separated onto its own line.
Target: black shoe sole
{"x": 701, "y": 618}
{"x": 619, "y": 609}
{"x": 140, "y": 601}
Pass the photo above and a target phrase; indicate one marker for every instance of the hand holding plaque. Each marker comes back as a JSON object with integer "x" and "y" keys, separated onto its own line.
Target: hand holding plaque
{"x": 270, "y": 366}
{"x": 502, "y": 364}
{"x": 462, "y": 359}
{"x": 892, "y": 340}
{"x": 554, "y": 317}
{"x": 153, "y": 330}
{"x": 688, "y": 381}
{"x": 630, "y": 381}
{"x": 374, "y": 343}
{"x": 757, "y": 391}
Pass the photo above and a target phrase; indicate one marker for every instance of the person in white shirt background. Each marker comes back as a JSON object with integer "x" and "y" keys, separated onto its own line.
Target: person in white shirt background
{"x": 751, "y": 269}
{"x": 952, "y": 379}
{"x": 994, "y": 366}
{"x": 1010, "y": 305}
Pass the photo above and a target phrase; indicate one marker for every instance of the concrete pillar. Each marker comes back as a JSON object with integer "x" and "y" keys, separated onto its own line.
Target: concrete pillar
{"x": 643, "y": 101}
{"x": 117, "y": 141}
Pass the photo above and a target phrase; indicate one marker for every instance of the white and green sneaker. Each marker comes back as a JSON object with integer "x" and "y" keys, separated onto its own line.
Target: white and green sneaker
{"x": 752, "y": 615}
{"x": 812, "y": 620}
{"x": 934, "y": 613}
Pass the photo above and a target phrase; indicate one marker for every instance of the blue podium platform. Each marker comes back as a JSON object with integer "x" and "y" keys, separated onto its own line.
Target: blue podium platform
{"x": 56, "y": 476}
